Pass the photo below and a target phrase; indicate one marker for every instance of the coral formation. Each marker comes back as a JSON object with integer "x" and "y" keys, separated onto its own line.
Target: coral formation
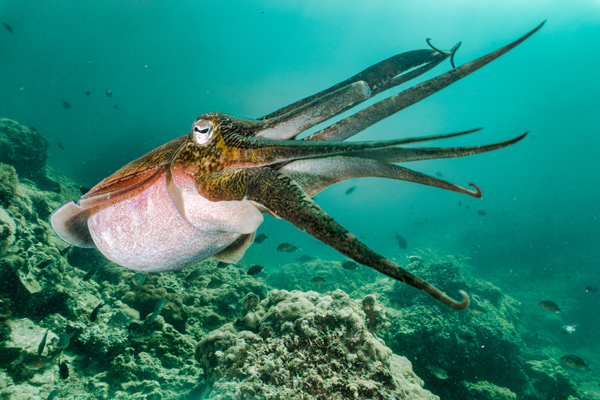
{"x": 301, "y": 344}
{"x": 27, "y": 151}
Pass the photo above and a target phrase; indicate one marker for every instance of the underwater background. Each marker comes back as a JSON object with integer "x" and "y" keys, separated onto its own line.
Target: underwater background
{"x": 165, "y": 63}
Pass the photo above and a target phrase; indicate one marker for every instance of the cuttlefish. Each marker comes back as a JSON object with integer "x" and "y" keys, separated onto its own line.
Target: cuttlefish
{"x": 204, "y": 194}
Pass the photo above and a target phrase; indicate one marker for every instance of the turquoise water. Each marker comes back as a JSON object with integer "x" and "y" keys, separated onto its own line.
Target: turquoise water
{"x": 165, "y": 64}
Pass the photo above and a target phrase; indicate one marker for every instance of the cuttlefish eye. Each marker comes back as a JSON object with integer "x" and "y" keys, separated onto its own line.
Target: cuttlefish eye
{"x": 202, "y": 131}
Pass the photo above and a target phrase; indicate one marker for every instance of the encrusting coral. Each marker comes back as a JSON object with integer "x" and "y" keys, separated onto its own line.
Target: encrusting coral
{"x": 301, "y": 344}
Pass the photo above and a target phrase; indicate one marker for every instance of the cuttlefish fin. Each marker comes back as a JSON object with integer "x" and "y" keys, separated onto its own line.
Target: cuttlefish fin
{"x": 69, "y": 221}
{"x": 286, "y": 199}
{"x": 236, "y": 250}
{"x": 315, "y": 175}
{"x": 358, "y": 122}
{"x": 384, "y": 75}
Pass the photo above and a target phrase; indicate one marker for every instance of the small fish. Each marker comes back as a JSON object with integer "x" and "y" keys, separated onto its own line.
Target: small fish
{"x": 350, "y": 265}
{"x": 65, "y": 250}
{"x": 35, "y": 362}
{"x": 108, "y": 93}
{"x": 138, "y": 279}
{"x": 65, "y": 104}
{"x": 8, "y": 27}
{"x": 119, "y": 320}
{"x": 573, "y": 361}
{"x": 63, "y": 370}
{"x": 92, "y": 272}
{"x": 45, "y": 263}
{"x": 255, "y": 269}
{"x": 305, "y": 258}
{"x": 52, "y": 394}
{"x": 65, "y": 340}
{"x": 438, "y": 372}
{"x": 194, "y": 275}
{"x": 287, "y": 248}
{"x": 214, "y": 283}
{"x": 401, "y": 241}
{"x": 43, "y": 342}
{"x": 317, "y": 280}
{"x": 60, "y": 146}
{"x": 151, "y": 318}
{"x": 438, "y": 173}
{"x": 568, "y": 329}
{"x": 116, "y": 107}
{"x": 467, "y": 206}
{"x": 95, "y": 311}
{"x": 158, "y": 306}
{"x": 476, "y": 309}
{"x": 222, "y": 264}
{"x": 84, "y": 189}
{"x": 465, "y": 337}
{"x": 351, "y": 190}
{"x": 482, "y": 213}
{"x": 260, "y": 238}
{"x": 460, "y": 204}
{"x": 33, "y": 128}
{"x": 549, "y": 306}
{"x": 591, "y": 289}
{"x": 87, "y": 92}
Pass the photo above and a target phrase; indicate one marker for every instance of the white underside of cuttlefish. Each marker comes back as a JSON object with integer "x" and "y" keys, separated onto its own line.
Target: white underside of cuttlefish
{"x": 153, "y": 235}
{"x": 204, "y": 194}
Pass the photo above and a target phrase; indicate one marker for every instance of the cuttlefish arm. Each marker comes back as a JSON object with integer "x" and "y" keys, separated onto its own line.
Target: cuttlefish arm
{"x": 315, "y": 175}
{"x": 358, "y": 122}
{"x": 381, "y": 76}
{"x": 284, "y": 198}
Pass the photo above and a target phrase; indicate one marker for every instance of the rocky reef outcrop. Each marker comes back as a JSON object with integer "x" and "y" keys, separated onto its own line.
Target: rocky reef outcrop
{"x": 304, "y": 345}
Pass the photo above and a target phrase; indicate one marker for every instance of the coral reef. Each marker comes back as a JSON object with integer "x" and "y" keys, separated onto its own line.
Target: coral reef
{"x": 304, "y": 345}
{"x": 27, "y": 151}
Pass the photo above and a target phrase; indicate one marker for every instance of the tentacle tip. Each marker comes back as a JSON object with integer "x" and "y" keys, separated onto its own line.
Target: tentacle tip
{"x": 463, "y": 304}
{"x": 453, "y": 52}
{"x": 477, "y": 193}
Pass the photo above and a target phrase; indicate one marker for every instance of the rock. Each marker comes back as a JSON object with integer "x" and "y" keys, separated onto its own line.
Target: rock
{"x": 27, "y": 151}
{"x": 484, "y": 390}
{"x": 8, "y": 229}
{"x": 304, "y": 344}
{"x": 8, "y": 184}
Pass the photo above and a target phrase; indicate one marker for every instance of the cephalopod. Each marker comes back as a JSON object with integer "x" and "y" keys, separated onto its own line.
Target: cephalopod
{"x": 203, "y": 194}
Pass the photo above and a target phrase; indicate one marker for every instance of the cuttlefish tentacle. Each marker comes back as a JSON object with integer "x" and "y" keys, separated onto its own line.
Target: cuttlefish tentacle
{"x": 285, "y": 199}
{"x": 289, "y": 125}
{"x": 358, "y": 122}
{"x": 402, "y": 154}
{"x": 314, "y": 176}
{"x": 452, "y": 52}
{"x": 381, "y": 76}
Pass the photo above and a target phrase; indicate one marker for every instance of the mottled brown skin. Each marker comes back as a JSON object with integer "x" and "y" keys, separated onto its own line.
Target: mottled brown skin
{"x": 234, "y": 163}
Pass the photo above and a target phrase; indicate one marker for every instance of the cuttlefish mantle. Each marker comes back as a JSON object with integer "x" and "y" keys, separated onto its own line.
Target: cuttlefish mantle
{"x": 204, "y": 194}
